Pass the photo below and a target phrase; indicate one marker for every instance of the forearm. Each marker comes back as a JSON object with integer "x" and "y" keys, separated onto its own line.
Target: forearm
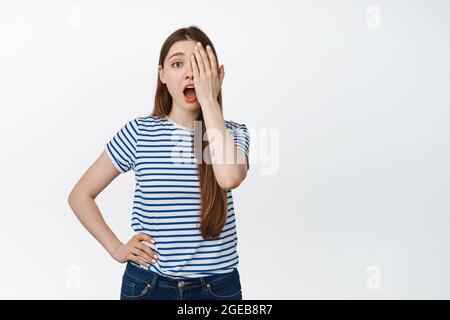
{"x": 88, "y": 213}
{"x": 229, "y": 165}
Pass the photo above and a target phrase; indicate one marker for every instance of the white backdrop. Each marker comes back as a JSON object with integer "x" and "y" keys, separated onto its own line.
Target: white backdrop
{"x": 348, "y": 107}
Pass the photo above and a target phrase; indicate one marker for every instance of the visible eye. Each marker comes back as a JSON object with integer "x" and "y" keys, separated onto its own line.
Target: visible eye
{"x": 175, "y": 63}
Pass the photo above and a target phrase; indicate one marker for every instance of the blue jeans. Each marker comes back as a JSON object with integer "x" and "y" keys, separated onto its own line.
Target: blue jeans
{"x": 140, "y": 284}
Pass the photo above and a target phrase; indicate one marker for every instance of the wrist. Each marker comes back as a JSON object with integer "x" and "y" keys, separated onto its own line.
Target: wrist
{"x": 113, "y": 249}
{"x": 209, "y": 103}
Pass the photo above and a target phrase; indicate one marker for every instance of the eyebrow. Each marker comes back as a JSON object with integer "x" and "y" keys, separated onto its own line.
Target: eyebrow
{"x": 177, "y": 54}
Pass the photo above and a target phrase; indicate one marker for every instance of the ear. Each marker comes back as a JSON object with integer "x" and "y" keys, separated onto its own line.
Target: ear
{"x": 221, "y": 74}
{"x": 161, "y": 74}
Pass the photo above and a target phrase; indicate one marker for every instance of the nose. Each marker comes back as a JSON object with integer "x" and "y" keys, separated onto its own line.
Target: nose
{"x": 189, "y": 73}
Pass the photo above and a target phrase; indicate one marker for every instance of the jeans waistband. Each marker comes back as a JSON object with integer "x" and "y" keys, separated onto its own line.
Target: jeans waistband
{"x": 163, "y": 281}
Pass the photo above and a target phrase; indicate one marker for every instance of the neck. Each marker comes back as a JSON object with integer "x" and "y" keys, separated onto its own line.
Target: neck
{"x": 184, "y": 117}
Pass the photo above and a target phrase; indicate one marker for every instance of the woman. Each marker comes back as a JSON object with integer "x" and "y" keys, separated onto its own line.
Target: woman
{"x": 183, "y": 215}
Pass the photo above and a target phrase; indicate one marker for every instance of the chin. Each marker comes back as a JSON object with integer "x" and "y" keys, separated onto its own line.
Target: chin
{"x": 191, "y": 106}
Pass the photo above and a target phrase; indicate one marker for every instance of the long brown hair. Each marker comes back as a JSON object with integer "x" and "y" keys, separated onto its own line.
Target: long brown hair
{"x": 214, "y": 202}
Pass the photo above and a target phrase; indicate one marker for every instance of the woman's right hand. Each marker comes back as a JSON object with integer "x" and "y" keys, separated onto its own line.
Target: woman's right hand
{"x": 136, "y": 250}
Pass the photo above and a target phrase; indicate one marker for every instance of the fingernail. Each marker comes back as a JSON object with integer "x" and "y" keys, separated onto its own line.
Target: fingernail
{"x": 153, "y": 260}
{"x": 153, "y": 240}
{"x": 155, "y": 256}
{"x": 208, "y": 47}
{"x": 199, "y": 44}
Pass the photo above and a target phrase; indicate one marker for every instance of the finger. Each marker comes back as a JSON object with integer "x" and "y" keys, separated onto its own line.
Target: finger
{"x": 138, "y": 260}
{"x": 194, "y": 68}
{"x": 198, "y": 58}
{"x": 205, "y": 59}
{"x": 144, "y": 237}
{"x": 141, "y": 254}
{"x": 147, "y": 250}
{"x": 212, "y": 60}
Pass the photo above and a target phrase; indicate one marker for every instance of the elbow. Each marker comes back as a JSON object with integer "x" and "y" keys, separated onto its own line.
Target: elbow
{"x": 78, "y": 194}
{"x": 70, "y": 198}
{"x": 231, "y": 180}
{"x": 229, "y": 183}
{"x": 73, "y": 197}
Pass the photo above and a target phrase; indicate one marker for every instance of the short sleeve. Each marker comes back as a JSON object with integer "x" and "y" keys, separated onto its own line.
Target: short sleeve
{"x": 121, "y": 149}
{"x": 241, "y": 136}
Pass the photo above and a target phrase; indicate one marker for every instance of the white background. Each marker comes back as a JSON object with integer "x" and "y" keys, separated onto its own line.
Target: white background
{"x": 352, "y": 198}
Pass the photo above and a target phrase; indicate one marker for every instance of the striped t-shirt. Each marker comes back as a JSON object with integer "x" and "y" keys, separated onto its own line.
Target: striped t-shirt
{"x": 167, "y": 196}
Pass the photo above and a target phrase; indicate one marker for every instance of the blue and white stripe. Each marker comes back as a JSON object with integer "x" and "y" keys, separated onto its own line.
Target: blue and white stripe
{"x": 167, "y": 196}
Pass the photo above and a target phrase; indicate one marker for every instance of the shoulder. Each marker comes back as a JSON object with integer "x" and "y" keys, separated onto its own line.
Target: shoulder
{"x": 150, "y": 119}
{"x": 133, "y": 126}
{"x": 146, "y": 121}
{"x": 230, "y": 124}
{"x": 238, "y": 131}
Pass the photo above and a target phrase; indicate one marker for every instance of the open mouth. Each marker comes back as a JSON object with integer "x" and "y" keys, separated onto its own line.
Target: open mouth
{"x": 190, "y": 95}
